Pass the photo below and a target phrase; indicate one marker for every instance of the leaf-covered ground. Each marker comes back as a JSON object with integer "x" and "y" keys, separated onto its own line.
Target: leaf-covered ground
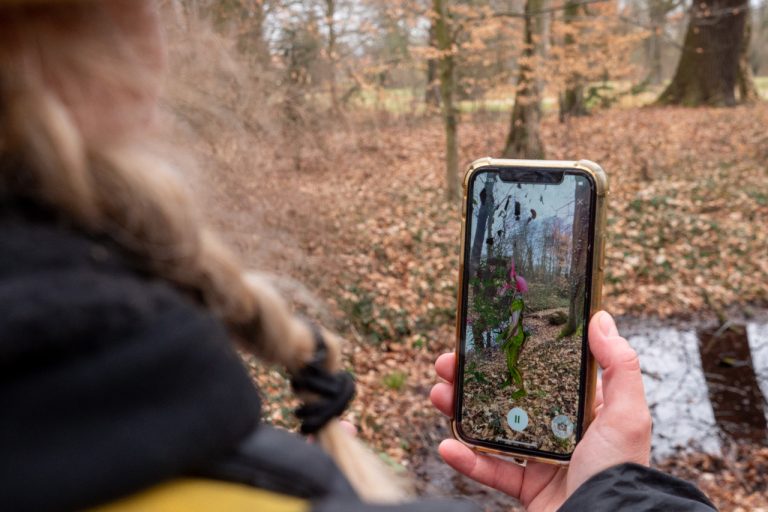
{"x": 367, "y": 229}
{"x": 736, "y": 481}
{"x": 550, "y": 368}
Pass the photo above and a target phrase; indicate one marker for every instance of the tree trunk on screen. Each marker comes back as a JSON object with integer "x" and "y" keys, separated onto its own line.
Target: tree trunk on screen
{"x": 447, "y": 76}
{"x": 484, "y": 220}
{"x": 484, "y": 216}
{"x": 572, "y": 99}
{"x": 524, "y": 139}
{"x": 578, "y": 258}
{"x": 709, "y": 64}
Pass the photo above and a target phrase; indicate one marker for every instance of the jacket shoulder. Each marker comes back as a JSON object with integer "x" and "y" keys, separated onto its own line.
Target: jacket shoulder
{"x": 199, "y": 495}
{"x": 116, "y": 380}
{"x": 638, "y": 488}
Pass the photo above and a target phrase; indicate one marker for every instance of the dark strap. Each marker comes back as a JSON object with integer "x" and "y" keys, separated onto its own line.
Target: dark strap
{"x": 279, "y": 461}
{"x": 334, "y": 390}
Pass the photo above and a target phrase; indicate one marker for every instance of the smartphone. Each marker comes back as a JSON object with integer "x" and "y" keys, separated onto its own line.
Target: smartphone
{"x": 530, "y": 279}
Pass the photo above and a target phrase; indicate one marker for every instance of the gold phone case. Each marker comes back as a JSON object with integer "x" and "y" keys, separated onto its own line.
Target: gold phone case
{"x": 598, "y": 266}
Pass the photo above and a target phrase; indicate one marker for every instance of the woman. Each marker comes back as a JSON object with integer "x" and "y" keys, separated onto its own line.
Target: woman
{"x": 118, "y": 302}
{"x": 119, "y": 387}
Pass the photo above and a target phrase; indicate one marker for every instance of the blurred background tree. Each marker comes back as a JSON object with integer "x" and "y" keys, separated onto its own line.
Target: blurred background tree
{"x": 713, "y": 62}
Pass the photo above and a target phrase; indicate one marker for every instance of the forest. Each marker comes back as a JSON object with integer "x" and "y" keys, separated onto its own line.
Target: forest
{"x": 328, "y": 140}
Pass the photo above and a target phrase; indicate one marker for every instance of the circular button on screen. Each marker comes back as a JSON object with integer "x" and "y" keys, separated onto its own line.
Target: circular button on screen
{"x": 517, "y": 419}
{"x": 562, "y": 427}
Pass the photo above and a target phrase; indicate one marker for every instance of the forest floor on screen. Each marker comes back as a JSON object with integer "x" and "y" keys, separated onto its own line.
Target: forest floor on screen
{"x": 550, "y": 368}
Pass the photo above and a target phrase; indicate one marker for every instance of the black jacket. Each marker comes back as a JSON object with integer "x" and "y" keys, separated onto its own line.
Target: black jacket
{"x": 634, "y": 487}
{"x": 112, "y": 381}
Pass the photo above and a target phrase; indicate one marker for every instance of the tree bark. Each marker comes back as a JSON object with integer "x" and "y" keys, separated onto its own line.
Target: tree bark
{"x": 657, "y": 12}
{"x": 654, "y": 53}
{"x": 572, "y": 100}
{"x": 432, "y": 88}
{"x": 708, "y": 68}
{"x": 524, "y": 139}
{"x": 447, "y": 74}
{"x": 748, "y": 92}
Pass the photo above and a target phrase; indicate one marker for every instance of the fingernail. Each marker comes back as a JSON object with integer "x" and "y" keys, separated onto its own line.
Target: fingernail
{"x": 607, "y": 325}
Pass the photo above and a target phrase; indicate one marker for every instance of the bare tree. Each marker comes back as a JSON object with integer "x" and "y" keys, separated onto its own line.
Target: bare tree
{"x": 572, "y": 99}
{"x": 446, "y": 69}
{"x": 657, "y": 14}
{"x": 524, "y": 139}
{"x": 330, "y": 51}
{"x": 432, "y": 88}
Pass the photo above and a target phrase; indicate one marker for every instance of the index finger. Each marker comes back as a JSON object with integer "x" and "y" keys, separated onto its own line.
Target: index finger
{"x": 444, "y": 366}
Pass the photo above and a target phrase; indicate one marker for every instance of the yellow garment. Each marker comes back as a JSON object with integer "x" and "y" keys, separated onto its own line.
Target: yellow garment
{"x": 198, "y": 495}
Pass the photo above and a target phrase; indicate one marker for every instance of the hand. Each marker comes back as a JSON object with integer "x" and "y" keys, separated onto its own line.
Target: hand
{"x": 350, "y": 428}
{"x": 620, "y": 431}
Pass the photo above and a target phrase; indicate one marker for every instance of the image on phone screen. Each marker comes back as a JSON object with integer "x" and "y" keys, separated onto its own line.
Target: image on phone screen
{"x": 524, "y": 299}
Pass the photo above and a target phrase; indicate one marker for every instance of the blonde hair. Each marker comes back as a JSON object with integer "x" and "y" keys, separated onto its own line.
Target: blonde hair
{"x": 107, "y": 184}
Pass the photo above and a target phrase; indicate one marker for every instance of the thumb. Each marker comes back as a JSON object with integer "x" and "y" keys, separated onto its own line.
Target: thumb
{"x": 623, "y": 393}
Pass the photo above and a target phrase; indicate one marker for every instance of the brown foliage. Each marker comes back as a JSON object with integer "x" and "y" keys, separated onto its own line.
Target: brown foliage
{"x": 365, "y": 227}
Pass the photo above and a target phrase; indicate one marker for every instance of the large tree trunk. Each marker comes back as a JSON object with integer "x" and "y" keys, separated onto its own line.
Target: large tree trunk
{"x": 572, "y": 99}
{"x": 579, "y": 246}
{"x": 447, "y": 75}
{"x": 524, "y": 139}
{"x": 745, "y": 81}
{"x": 708, "y": 67}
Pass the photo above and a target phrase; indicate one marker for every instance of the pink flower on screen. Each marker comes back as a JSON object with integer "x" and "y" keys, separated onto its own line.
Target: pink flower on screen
{"x": 520, "y": 283}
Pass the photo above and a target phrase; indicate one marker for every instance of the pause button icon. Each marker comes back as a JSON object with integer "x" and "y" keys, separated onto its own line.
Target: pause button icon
{"x": 517, "y": 419}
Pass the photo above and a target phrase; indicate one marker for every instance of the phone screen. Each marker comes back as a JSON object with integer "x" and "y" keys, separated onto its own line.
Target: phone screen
{"x": 525, "y": 302}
